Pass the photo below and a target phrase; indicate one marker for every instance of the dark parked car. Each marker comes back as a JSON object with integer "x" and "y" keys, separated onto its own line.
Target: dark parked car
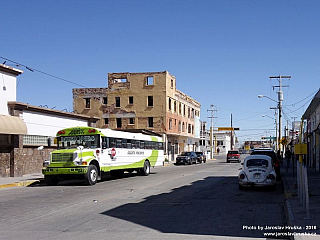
{"x": 233, "y": 155}
{"x": 186, "y": 158}
{"x": 201, "y": 157}
{"x": 269, "y": 152}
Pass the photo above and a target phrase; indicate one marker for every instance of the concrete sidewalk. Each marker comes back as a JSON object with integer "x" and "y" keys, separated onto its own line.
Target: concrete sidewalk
{"x": 23, "y": 181}
{"x": 295, "y": 213}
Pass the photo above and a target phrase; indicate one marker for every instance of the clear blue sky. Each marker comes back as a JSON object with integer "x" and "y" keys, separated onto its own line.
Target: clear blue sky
{"x": 221, "y": 52}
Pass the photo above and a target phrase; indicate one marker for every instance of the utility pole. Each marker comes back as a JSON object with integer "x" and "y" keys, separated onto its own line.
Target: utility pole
{"x": 211, "y": 129}
{"x": 280, "y": 99}
{"x": 231, "y": 135}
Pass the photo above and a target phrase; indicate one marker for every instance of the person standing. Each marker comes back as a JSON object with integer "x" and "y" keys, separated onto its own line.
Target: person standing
{"x": 288, "y": 155}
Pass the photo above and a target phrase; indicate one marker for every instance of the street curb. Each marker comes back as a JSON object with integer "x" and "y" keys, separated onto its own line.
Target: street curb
{"x": 18, "y": 184}
{"x": 288, "y": 208}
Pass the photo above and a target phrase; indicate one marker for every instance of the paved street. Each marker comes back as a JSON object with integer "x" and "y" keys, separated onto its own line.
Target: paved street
{"x": 174, "y": 202}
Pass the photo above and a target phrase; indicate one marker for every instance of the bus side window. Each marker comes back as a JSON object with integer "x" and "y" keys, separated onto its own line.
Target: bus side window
{"x": 112, "y": 142}
{"x": 105, "y": 142}
{"x": 155, "y": 145}
{"x": 137, "y": 144}
{"x": 142, "y": 144}
{"x": 133, "y": 143}
{"x": 160, "y": 146}
{"x": 124, "y": 143}
{"x": 118, "y": 143}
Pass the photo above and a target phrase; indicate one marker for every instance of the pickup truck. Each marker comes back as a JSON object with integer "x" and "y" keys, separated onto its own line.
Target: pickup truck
{"x": 233, "y": 155}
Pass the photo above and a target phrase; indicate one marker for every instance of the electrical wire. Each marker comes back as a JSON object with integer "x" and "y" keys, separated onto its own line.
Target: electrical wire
{"x": 36, "y": 70}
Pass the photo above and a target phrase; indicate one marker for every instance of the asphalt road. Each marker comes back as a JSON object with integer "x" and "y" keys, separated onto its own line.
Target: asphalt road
{"x": 175, "y": 202}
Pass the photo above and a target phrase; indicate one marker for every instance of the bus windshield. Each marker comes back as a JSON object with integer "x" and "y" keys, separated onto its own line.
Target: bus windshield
{"x": 87, "y": 141}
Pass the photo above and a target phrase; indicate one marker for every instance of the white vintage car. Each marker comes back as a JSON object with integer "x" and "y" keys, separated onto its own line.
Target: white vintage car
{"x": 257, "y": 170}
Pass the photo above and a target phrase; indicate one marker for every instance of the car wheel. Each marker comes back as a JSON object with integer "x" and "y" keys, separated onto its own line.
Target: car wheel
{"x": 228, "y": 161}
{"x": 91, "y": 176}
{"x": 190, "y": 162}
{"x": 51, "y": 180}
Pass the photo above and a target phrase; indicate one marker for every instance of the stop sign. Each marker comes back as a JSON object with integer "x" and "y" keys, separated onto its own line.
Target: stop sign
{"x": 113, "y": 152}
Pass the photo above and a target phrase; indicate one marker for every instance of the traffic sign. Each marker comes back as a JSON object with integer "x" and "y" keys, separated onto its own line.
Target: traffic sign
{"x": 228, "y": 129}
{"x": 113, "y": 152}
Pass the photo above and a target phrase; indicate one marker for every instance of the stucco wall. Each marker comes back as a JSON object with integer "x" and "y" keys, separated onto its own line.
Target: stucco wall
{"x": 7, "y": 91}
{"x": 46, "y": 125}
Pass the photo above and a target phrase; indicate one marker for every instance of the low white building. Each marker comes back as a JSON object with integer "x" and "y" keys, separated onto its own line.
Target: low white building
{"x": 24, "y": 128}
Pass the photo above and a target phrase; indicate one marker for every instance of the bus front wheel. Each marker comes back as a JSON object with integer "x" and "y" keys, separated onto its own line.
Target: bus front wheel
{"x": 91, "y": 177}
{"x": 145, "y": 171}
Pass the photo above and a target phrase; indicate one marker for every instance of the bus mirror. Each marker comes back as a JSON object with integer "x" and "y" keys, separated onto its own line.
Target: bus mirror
{"x": 104, "y": 145}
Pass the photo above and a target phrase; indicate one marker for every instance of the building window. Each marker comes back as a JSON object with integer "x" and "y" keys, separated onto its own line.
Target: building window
{"x": 119, "y": 80}
{"x": 175, "y": 106}
{"x": 87, "y": 100}
{"x": 131, "y": 100}
{"x": 189, "y": 128}
{"x": 172, "y": 83}
{"x": 183, "y": 127}
{"x": 106, "y": 121}
{"x": 131, "y": 121}
{"x": 150, "y": 122}
{"x": 180, "y": 108}
{"x": 105, "y": 100}
{"x": 184, "y": 110}
{"x": 150, "y": 101}
{"x": 117, "y": 101}
{"x": 170, "y": 124}
{"x": 179, "y": 127}
{"x": 169, "y": 104}
{"x": 119, "y": 122}
{"x": 150, "y": 81}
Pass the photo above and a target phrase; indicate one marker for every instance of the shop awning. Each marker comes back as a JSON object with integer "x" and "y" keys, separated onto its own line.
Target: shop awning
{"x": 12, "y": 125}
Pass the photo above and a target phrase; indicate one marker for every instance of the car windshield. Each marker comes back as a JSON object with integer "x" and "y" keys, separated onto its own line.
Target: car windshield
{"x": 87, "y": 141}
{"x": 257, "y": 163}
{"x": 185, "y": 154}
{"x": 199, "y": 153}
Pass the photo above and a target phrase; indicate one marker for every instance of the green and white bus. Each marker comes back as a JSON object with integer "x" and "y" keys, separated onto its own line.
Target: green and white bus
{"x": 89, "y": 152}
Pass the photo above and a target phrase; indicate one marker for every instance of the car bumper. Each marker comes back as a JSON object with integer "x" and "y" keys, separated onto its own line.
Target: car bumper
{"x": 257, "y": 184}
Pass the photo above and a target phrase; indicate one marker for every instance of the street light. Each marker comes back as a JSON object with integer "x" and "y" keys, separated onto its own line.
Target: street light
{"x": 275, "y": 119}
{"x": 280, "y": 98}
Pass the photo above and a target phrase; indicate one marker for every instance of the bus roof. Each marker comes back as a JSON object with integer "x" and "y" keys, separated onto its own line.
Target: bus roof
{"x": 81, "y": 130}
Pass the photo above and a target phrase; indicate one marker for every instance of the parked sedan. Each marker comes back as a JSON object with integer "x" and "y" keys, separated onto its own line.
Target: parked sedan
{"x": 201, "y": 157}
{"x": 186, "y": 158}
{"x": 257, "y": 170}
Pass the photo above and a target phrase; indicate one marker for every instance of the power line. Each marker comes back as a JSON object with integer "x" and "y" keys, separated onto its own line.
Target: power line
{"x": 36, "y": 70}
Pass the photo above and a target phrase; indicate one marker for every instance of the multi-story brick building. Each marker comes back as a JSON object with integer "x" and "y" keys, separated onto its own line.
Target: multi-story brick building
{"x": 144, "y": 101}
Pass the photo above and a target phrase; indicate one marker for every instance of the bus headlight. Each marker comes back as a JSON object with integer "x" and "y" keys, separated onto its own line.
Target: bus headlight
{"x": 46, "y": 163}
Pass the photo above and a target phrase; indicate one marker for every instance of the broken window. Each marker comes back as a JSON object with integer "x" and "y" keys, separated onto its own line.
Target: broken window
{"x": 87, "y": 100}
{"x": 117, "y": 101}
{"x": 150, "y": 81}
{"x": 150, "y": 101}
{"x": 119, "y": 122}
{"x": 130, "y": 99}
{"x": 119, "y": 80}
{"x": 150, "y": 122}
